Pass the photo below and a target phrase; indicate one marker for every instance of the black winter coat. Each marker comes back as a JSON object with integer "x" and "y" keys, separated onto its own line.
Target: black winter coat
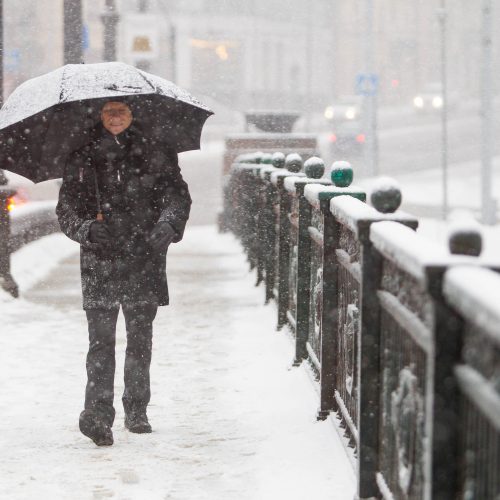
{"x": 139, "y": 184}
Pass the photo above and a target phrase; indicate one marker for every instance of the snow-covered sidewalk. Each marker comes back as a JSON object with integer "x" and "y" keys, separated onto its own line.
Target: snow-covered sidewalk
{"x": 231, "y": 419}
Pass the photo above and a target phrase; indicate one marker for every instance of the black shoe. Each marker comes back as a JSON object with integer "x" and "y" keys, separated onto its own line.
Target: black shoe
{"x": 138, "y": 423}
{"x": 94, "y": 428}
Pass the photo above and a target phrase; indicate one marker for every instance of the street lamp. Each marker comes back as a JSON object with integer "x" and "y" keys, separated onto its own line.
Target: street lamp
{"x": 488, "y": 204}
{"x": 110, "y": 18}
{"x": 370, "y": 96}
{"x": 73, "y": 32}
{"x": 444, "y": 108}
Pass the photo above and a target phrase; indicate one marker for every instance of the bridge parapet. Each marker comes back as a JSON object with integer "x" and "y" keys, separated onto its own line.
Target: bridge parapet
{"x": 396, "y": 346}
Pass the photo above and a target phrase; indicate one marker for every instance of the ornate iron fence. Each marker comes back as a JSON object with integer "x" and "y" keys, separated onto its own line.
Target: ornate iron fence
{"x": 411, "y": 373}
{"x": 296, "y": 309}
{"x": 473, "y": 294}
{"x": 415, "y": 345}
{"x": 346, "y": 222}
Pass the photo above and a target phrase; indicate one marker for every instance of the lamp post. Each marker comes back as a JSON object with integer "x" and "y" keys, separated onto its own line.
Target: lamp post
{"x": 73, "y": 32}
{"x": 444, "y": 110}
{"x": 370, "y": 96}
{"x": 488, "y": 205}
{"x": 110, "y": 18}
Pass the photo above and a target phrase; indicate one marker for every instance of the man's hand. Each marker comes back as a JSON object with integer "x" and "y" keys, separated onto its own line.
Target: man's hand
{"x": 162, "y": 235}
{"x": 99, "y": 233}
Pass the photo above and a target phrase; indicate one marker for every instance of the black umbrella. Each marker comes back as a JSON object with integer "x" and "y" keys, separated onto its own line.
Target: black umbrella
{"x": 47, "y": 118}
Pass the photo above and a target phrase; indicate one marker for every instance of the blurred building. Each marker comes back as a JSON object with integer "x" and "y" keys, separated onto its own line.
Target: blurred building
{"x": 296, "y": 54}
{"x": 406, "y": 44}
{"x": 33, "y": 39}
{"x": 252, "y": 54}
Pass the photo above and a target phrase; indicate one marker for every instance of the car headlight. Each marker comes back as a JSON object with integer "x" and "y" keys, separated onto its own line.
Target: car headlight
{"x": 329, "y": 113}
{"x": 437, "y": 102}
{"x": 418, "y": 102}
{"x": 350, "y": 114}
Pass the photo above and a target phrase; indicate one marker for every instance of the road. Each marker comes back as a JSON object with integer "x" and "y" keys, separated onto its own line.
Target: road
{"x": 408, "y": 142}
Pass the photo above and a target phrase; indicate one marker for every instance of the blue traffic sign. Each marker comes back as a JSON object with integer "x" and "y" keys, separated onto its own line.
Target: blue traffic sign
{"x": 367, "y": 84}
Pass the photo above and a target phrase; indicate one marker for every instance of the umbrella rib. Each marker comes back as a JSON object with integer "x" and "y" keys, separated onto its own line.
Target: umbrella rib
{"x": 61, "y": 93}
{"x": 147, "y": 80}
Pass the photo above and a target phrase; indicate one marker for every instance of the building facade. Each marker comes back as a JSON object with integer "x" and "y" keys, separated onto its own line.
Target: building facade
{"x": 292, "y": 54}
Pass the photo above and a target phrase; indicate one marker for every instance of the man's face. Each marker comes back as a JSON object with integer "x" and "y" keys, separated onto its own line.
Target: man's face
{"x": 116, "y": 117}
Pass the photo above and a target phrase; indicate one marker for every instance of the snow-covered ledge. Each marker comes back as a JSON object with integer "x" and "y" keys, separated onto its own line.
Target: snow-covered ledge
{"x": 284, "y": 173}
{"x": 291, "y": 182}
{"x": 410, "y": 251}
{"x": 266, "y": 170}
{"x": 245, "y": 166}
{"x": 474, "y": 293}
{"x": 315, "y": 192}
{"x": 352, "y": 213}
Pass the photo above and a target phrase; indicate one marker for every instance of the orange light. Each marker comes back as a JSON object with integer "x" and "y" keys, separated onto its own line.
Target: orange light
{"x": 332, "y": 138}
{"x": 11, "y": 204}
{"x": 360, "y": 138}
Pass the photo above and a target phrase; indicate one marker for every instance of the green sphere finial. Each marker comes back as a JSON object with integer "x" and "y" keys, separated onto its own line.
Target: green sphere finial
{"x": 278, "y": 160}
{"x": 341, "y": 173}
{"x": 294, "y": 163}
{"x": 267, "y": 158}
{"x": 314, "y": 167}
{"x": 258, "y": 157}
{"x": 386, "y": 195}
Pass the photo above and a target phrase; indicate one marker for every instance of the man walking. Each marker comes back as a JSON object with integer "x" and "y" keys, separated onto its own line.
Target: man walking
{"x": 124, "y": 200}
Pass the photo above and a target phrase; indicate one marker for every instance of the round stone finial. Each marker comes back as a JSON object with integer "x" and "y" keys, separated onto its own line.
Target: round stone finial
{"x": 267, "y": 158}
{"x": 464, "y": 234}
{"x": 294, "y": 163}
{"x": 278, "y": 160}
{"x": 466, "y": 241}
{"x": 341, "y": 173}
{"x": 314, "y": 167}
{"x": 386, "y": 195}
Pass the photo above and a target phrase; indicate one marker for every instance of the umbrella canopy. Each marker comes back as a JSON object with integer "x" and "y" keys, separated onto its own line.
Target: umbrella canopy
{"x": 48, "y": 117}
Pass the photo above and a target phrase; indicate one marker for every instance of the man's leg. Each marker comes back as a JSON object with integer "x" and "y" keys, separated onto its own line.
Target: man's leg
{"x": 139, "y": 323}
{"x": 99, "y": 392}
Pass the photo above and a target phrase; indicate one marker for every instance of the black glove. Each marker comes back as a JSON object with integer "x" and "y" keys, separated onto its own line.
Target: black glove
{"x": 99, "y": 233}
{"x": 162, "y": 235}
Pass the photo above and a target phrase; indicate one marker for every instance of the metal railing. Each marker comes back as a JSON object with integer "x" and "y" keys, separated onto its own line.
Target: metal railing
{"x": 397, "y": 359}
{"x": 19, "y": 227}
{"x": 475, "y": 423}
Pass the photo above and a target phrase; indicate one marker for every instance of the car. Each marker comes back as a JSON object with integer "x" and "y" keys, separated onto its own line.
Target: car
{"x": 346, "y": 140}
{"x": 431, "y": 98}
{"x": 347, "y": 108}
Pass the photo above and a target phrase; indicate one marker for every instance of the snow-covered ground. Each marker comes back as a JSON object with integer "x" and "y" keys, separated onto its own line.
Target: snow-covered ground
{"x": 231, "y": 419}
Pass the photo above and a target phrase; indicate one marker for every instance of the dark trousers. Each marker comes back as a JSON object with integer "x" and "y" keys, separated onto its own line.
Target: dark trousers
{"x": 99, "y": 393}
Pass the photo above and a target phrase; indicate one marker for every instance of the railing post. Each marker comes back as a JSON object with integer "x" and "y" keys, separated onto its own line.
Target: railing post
{"x": 475, "y": 438}
{"x": 303, "y": 275}
{"x": 293, "y": 167}
{"x": 448, "y": 348}
{"x": 6, "y": 280}
{"x": 329, "y": 318}
{"x": 369, "y": 373}
{"x": 349, "y": 216}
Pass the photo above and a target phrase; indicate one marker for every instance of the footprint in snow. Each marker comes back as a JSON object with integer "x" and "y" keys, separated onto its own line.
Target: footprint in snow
{"x": 101, "y": 493}
{"x": 129, "y": 476}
